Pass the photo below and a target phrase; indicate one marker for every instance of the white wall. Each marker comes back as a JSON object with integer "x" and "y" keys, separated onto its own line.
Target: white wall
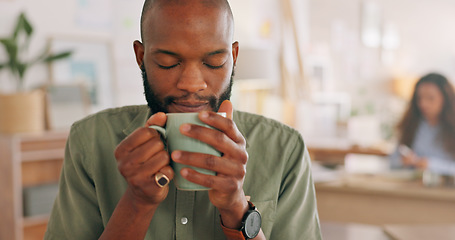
{"x": 424, "y": 28}
{"x": 426, "y": 44}
{"x": 115, "y": 21}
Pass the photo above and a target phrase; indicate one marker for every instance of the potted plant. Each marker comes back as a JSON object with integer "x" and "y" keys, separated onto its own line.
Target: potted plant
{"x": 23, "y": 110}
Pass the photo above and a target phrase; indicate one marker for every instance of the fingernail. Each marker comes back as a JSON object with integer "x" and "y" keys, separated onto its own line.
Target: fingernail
{"x": 184, "y": 172}
{"x": 186, "y": 127}
{"x": 204, "y": 115}
{"x": 176, "y": 155}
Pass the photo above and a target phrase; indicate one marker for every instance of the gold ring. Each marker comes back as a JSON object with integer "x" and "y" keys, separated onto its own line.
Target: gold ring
{"x": 161, "y": 180}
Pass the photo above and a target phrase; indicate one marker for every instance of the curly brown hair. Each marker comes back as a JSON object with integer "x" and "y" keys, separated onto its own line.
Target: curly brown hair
{"x": 413, "y": 116}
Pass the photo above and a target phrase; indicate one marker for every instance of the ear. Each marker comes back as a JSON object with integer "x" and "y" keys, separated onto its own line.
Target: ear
{"x": 139, "y": 51}
{"x": 235, "y": 51}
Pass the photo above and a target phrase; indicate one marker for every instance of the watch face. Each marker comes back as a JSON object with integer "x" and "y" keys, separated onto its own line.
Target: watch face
{"x": 253, "y": 224}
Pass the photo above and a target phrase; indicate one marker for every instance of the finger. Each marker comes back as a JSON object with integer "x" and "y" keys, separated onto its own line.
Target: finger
{"x": 168, "y": 171}
{"x": 155, "y": 163}
{"x": 162, "y": 179}
{"x": 217, "y": 183}
{"x": 209, "y": 162}
{"x": 223, "y": 124}
{"x": 134, "y": 140}
{"x": 158, "y": 119}
{"x": 219, "y": 140}
{"x": 226, "y": 106}
{"x": 147, "y": 150}
{"x": 145, "y": 167}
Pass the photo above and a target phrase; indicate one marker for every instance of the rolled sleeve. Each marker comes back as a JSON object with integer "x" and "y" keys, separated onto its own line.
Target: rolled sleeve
{"x": 75, "y": 214}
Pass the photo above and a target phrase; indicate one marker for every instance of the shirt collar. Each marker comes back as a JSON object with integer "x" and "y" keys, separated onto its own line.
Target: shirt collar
{"x": 138, "y": 121}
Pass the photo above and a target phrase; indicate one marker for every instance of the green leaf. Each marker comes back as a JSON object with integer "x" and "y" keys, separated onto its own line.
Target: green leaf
{"x": 58, "y": 56}
{"x": 21, "y": 69}
{"x": 23, "y": 25}
{"x": 11, "y": 48}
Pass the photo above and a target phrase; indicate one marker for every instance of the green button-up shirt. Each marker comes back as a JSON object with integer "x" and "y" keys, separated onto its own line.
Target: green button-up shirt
{"x": 278, "y": 179}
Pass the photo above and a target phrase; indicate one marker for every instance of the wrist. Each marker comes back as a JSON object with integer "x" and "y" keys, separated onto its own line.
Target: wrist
{"x": 232, "y": 217}
{"x": 138, "y": 205}
{"x": 250, "y": 226}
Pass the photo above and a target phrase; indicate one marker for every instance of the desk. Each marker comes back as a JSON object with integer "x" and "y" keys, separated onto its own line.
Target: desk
{"x": 336, "y": 155}
{"x": 352, "y": 231}
{"x": 355, "y": 231}
{"x": 421, "y": 232}
{"x": 378, "y": 201}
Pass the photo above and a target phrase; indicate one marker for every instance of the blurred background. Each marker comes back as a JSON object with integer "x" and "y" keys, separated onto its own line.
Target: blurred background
{"x": 339, "y": 71}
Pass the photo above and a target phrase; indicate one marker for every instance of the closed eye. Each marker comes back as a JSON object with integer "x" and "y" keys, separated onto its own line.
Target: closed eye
{"x": 214, "y": 67}
{"x": 168, "y": 67}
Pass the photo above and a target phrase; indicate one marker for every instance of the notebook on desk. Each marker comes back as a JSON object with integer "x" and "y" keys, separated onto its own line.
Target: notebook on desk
{"x": 420, "y": 231}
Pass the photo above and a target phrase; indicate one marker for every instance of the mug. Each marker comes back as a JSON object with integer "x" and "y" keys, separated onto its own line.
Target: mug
{"x": 174, "y": 140}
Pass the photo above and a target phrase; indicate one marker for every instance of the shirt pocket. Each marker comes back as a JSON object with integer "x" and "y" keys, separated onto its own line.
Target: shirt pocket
{"x": 268, "y": 212}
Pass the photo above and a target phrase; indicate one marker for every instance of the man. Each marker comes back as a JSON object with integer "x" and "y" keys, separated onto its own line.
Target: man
{"x": 116, "y": 181}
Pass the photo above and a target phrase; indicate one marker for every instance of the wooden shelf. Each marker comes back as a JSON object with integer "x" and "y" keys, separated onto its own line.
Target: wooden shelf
{"x": 35, "y": 227}
{"x": 41, "y": 172}
{"x": 27, "y": 160}
{"x": 33, "y": 156}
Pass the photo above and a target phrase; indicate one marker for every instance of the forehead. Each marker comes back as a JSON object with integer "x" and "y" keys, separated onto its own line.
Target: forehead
{"x": 428, "y": 89}
{"x": 192, "y": 26}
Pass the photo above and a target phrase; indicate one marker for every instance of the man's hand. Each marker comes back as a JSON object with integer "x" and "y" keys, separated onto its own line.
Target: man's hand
{"x": 140, "y": 156}
{"x": 227, "y": 186}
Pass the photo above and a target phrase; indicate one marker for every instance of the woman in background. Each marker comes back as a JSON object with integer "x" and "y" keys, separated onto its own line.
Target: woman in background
{"x": 427, "y": 130}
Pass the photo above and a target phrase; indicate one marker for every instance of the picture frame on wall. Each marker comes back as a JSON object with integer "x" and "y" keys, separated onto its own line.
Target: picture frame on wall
{"x": 90, "y": 65}
{"x": 66, "y": 103}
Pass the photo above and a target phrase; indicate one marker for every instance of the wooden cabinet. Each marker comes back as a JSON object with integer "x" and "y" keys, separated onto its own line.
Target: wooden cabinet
{"x": 27, "y": 160}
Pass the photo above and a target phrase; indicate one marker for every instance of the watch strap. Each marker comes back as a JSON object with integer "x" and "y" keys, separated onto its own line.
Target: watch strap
{"x": 236, "y": 234}
{"x": 232, "y": 234}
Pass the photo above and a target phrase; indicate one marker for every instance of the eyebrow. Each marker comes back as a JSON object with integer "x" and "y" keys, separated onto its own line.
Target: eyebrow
{"x": 219, "y": 51}
{"x": 165, "y": 52}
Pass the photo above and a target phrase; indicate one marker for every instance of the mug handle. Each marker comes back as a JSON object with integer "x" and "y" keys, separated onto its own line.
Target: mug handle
{"x": 161, "y": 130}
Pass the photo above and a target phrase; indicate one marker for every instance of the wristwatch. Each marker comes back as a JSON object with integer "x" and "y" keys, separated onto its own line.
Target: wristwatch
{"x": 251, "y": 225}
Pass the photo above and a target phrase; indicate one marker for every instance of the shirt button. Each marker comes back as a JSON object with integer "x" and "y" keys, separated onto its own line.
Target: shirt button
{"x": 184, "y": 220}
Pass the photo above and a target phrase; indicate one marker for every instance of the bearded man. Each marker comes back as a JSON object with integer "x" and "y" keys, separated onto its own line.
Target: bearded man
{"x": 117, "y": 182}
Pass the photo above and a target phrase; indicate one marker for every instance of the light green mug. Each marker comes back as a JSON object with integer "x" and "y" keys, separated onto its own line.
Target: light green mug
{"x": 176, "y": 141}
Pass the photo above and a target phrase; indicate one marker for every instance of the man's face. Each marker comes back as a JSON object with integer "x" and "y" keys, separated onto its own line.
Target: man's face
{"x": 187, "y": 58}
{"x": 161, "y": 105}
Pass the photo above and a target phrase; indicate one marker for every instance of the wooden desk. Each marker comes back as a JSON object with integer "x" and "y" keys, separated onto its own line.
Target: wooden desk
{"x": 376, "y": 201}
{"x": 334, "y": 155}
{"x": 352, "y": 231}
{"x": 421, "y": 232}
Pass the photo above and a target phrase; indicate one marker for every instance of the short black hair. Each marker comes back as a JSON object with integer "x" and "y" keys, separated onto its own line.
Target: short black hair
{"x": 149, "y": 4}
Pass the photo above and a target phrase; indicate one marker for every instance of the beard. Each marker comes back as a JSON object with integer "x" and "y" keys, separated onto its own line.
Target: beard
{"x": 156, "y": 104}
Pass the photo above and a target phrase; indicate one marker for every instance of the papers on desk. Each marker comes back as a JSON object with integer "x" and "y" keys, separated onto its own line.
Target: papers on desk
{"x": 361, "y": 165}
{"x": 366, "y": 164}
{"x": 421, "y": 232}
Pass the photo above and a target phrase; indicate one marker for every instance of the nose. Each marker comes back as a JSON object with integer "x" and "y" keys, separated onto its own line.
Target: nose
{"x": 192, "y": 80}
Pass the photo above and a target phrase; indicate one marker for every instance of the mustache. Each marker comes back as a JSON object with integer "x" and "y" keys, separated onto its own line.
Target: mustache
{"x": 189, "y": 96}
{"x": 156, "y": 104}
